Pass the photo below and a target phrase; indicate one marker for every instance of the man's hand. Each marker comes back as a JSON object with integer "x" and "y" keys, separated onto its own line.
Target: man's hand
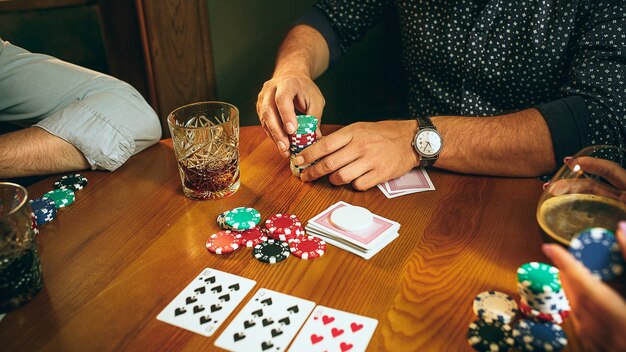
{"x": 598, "y": 312}
{"x": 278, "y": 100}
{"x": 363, "y": 154}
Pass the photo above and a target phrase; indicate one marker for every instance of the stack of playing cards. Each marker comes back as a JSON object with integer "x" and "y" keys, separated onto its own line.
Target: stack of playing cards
{"x": 354, "y": 229}
{"x": 268, "y": 322}
{"x": 414, "y": 181}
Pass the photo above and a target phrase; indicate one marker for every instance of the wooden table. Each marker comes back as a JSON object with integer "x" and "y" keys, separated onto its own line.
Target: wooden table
{"x": 116, "y": 257}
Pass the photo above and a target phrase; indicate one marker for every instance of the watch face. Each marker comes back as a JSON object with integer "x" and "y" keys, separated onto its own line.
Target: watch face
{"x": 428, "y": 142}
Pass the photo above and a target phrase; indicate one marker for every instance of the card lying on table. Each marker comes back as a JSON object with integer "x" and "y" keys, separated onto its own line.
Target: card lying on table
{"x": 416, "y": 180}
{"x": 207, "y": 301}
{"x": 268, "y": 322}
{"x": 365, "y": 241}
{"x": 334, "y": 330}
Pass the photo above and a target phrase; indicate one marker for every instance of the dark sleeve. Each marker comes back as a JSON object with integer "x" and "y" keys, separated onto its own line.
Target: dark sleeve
{"x": 593, "y": 109}
{"x": 343, "y": 22}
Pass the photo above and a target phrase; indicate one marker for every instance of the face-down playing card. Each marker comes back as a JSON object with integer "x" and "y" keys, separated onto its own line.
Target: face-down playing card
{"x": 268, "y": 322}
{"x": 207, "y": 301}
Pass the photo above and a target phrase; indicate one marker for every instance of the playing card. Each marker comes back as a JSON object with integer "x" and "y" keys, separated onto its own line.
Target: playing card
{"x": 416, "y": 180}
{"x": 346, "y": 246}
{"x": 207, "y": 301}
{"x": 331, "y": 330}
{"x": 269, "y": 321}
{"x": 367, "y": 238}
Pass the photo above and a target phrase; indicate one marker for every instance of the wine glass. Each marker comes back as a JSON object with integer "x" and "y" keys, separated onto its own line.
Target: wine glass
{"x": 589, "y": 190}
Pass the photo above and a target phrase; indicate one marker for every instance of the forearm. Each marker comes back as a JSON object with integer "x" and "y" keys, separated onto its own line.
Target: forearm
{"x": 33, "y": 151}
{"x": 304, "y": 50}
{"x": 516, "y": 144}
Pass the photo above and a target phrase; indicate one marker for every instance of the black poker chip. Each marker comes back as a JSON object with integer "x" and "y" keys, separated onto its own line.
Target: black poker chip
{"x": 74, "y": 182}
{"x": 272, "y": 251}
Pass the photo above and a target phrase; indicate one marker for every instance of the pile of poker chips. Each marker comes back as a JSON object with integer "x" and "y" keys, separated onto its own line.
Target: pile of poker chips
{"x": 281, "y": 236}
{"x": 45, "y": 208}
{"x": 305, "y": 136}
{"x": 599, "y": 251}
{"x": 543, "y": 306}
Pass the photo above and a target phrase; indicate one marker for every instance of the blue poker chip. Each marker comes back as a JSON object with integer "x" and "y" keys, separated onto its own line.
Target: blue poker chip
{"x": 599, "y": 251}
{"x": 44, "y": 210}
{"x": 490, "y": 335}
{"x": 531, "y": 335}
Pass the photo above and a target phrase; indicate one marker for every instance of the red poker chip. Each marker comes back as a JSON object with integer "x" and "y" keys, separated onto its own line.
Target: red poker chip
{"x": 556, "y": 317}
{"x": 307, "y": 247}
{"x": 303, "y": 135}
{"x": 283, "y": 237}
{"x": 252, "y": 237}
{"x": 286, "y": 224}
{"x": 223, "y": 242}
{"x": 303, "y": 141}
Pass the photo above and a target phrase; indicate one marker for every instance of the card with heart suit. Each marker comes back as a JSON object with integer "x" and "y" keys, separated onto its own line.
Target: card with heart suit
{"x": 416, "y": 180}
{"x": 268, "y": 322}
{"x": 367, "y": 238}
{"x": 207, "y": 301}
{"x": 331, "y": 330}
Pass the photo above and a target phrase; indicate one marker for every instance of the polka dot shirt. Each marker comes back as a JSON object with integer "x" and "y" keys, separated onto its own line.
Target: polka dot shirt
{"x": 566, "y": 58}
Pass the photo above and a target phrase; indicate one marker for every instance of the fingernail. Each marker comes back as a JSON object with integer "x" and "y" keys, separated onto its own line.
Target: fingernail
{"x": 622, "y": 227}
{"x": 567, "y": 159}
{"x": 298, "y": 160}
{"x": 282, "y": 146}
{"x": 547, "y": 250}
{"x": 545, "y": 185}
{"x": 290, "y": 128}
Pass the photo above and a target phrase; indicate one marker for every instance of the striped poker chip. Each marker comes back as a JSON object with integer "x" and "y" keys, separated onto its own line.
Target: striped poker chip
{"x": 539, "y": 277}
{"x": 223, "y": 242}
{"x": 495, "y": 305}
{"x": 286, "y": 224}
{"x": 252, "y": 237}
{"x": 61, "y": 197}
{"x": 599, "y": 251}
{"x": 221, "y": 222}
{"x": 284, "y": 237}
{"x": 490, "y": 335}
{"x": 44, "y": 210}
{"x": 74, "y": 182}
{"x": 546, "y": 302}
{"x": 529, "y": 312}
{"x": 271, "y": 251}
{"x": 307, "y": 247}
{"x": 242, "y": 218}
{"x": 539, "y": 336}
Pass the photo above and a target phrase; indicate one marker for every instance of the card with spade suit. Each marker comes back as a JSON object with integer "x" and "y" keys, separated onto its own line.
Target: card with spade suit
{"x": 268, "y": 322}
{"x": 207, "y": 301}
{"x": 334, "y": 330}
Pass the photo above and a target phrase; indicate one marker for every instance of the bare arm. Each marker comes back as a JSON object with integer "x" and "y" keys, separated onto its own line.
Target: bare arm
{"x": 516, "y": 144}
{"x": 302, "y": 57}
{"x": 34, "y": 151}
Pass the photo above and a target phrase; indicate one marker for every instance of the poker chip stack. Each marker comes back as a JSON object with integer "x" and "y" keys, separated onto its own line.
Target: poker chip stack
{"x": 281, "y": 236}
{"x": 305, "y": 136}
{"x": 45, "y": 208}
{"x": 541, "y": 295}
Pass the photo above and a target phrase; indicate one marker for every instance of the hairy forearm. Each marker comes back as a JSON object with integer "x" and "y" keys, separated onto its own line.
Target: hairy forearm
{"x": 516, "y": 144}
{"x": 304, "y": 50}
{"x": 34, "y": 151}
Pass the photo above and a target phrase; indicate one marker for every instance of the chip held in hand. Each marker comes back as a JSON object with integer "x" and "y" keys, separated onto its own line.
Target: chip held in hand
{"x": 351, "y": 218}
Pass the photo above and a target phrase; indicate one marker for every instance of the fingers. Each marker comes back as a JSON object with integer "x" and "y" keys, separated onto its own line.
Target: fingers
{"x": 284, "y": 102}
{"x": 607, "y": 169}
{"x": 268, "y": 113}
{"x": 350, "y": 172}
{"x": 324, "y": 147}
{"x": 366, "y": 181}
{"x": 333, "y": 161}
{"x": 621, "y": 237}
{"x": 576, "y": 277}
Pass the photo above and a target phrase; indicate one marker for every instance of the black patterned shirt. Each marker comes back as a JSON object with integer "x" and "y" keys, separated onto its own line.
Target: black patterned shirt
{"x": 567, "y": 58}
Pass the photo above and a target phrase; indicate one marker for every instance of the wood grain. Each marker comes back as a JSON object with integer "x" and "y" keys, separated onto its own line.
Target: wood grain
{"x": 132, "y": 241}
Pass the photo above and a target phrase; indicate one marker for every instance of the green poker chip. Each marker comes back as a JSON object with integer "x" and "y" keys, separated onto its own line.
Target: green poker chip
{"x": 539, "y": 277}
{"x": 306, "y": 124}
{"x": 242, "y": 218}
{"x": 61, "y": 197}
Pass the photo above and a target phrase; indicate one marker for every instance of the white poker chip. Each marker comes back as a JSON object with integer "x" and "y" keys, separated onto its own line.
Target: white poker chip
{"x": 351, "y": 218}
{"x": 495, "y": 305}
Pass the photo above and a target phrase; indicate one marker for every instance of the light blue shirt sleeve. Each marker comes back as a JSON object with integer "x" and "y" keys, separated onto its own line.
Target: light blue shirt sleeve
{"x": 105, "y": 118}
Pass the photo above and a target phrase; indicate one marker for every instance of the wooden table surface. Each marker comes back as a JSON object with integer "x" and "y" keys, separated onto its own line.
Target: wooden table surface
{"x": 131, "y": 242}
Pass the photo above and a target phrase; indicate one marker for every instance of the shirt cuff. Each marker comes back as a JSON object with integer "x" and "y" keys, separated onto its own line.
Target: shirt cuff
{"x": 318, "y": 20}
{"x": 104, "y": 145}
{"x": 568, "y": 121}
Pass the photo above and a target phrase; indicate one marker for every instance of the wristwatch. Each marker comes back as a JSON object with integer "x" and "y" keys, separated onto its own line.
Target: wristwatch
{"x": 427, "y": 141}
